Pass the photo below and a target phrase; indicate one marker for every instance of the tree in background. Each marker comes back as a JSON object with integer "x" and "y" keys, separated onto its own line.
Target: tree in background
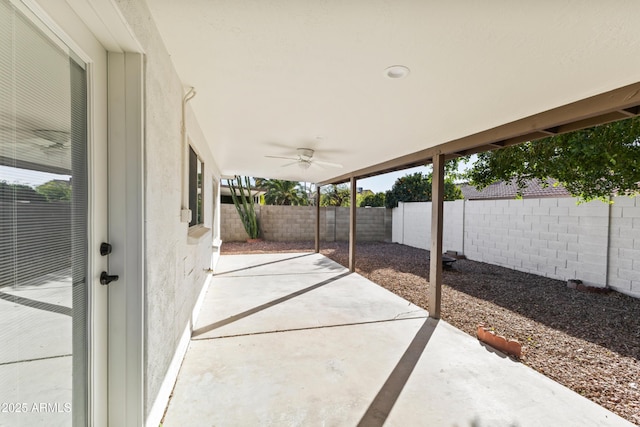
{"x": 281, "y": 192}
{"x": 55, "y": 190}
{"x": 374, "y": 200}
{"x": 416, "y": 187}
{"x": 591, "y": 164}
{"x": 335, "y": 195}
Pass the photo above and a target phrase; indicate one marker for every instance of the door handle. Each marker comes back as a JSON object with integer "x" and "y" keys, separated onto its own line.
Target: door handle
{"x": 106, "y": 278}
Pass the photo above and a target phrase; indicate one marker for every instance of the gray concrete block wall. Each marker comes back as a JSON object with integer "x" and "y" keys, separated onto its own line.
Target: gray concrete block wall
{"x": 330, "y": 224}
{"x": 297, "y": 223}
{"x": 231, "y": 228}
{"x": 371, "y": 224}
{"x": 288, "y": 223}
{"x": 342, "y": 224}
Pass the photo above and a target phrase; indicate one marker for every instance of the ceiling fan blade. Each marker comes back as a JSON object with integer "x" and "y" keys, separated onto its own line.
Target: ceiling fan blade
{"x": 332, "y": 165}
{"x": 281, "y": 157}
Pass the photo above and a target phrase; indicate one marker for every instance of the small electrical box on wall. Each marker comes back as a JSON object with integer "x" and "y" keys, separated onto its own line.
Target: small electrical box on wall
{"x": 185, "y": 215}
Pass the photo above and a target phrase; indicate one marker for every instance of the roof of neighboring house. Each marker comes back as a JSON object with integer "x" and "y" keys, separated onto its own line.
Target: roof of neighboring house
{"x": 509, "y": 190}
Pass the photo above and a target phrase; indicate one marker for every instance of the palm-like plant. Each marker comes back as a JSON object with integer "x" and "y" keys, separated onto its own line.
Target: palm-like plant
{"x": 281, "y": 192}
{"x": 335, "y": 195}
{"x": 243, "y": 200}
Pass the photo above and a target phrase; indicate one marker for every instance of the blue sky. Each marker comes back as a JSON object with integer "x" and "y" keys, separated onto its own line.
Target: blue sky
{"x": 27, "y": 177}
{"x": 384, "y": 182}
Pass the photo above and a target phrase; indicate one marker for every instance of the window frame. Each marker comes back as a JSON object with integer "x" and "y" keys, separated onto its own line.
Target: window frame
{"x": 196, "y": 188}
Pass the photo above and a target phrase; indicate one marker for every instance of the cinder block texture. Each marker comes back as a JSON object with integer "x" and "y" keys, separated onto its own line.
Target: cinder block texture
{"x": 571, "y": 248}
{"x": 624, "y": 245}
{"x": 595, "y": 242}
{"x": 412, "y": 225}
{"x": 297, "y": 223}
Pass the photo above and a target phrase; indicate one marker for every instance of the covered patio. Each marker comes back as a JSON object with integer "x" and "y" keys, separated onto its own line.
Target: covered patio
{"x": 296, "y": 339}
{"x": 319, "y": 92}
{"x": 331, "y": 93}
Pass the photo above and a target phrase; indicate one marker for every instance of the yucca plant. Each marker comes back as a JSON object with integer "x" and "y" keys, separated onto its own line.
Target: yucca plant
{"x": 243, "y": 202}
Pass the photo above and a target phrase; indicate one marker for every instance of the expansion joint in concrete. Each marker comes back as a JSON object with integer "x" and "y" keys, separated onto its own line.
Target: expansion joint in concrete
{"x": 310, "y": 328}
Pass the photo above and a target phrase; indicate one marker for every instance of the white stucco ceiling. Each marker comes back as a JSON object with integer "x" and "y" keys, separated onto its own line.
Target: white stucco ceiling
{"x": 275, "y": 75}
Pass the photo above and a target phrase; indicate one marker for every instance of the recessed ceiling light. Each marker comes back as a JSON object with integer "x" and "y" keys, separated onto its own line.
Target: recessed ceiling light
{"x": 397, "y": 72}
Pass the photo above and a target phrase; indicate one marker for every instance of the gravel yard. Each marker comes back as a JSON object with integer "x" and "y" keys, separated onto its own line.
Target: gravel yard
{"x": 588, "y": 342}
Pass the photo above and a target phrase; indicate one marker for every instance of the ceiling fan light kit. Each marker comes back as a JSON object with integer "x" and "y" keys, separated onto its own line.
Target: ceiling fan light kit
{"x": 305, "y": 153}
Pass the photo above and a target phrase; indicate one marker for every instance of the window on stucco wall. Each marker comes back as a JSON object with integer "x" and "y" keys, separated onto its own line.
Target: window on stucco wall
{"x": 196, "y": 190}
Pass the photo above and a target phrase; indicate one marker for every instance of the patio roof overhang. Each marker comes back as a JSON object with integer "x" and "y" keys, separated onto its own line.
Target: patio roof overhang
{"x": 608, "y": 107}
{"x": 277, "y": 75}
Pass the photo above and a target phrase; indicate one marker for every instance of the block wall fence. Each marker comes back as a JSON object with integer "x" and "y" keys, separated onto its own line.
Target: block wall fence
{"x": 297, "y": 223}
{"x": 595, "y": 242}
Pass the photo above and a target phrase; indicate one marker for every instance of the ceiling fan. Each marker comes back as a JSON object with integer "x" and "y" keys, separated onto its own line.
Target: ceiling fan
{"x": 305, "y": 159}
{"x": 46, "y": 139}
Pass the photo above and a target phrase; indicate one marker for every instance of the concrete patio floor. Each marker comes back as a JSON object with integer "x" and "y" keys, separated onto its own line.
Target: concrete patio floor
{"x": 295, "y": 340}
{"x": 36, "y": 362}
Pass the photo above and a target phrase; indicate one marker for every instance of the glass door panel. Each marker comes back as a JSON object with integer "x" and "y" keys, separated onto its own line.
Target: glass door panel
{"x": 43, "y": 228}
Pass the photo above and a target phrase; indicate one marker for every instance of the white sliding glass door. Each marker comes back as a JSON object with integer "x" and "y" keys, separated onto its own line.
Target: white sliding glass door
{"x": 46, "y": 277}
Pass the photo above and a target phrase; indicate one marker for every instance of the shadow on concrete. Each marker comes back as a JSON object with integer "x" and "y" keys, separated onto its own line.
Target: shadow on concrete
{"x": 328, "y": 264}
{"x": 476, "y": 422}
{"x": 264, "y": 306}
{"x": 263, "y": 264}
{"x": 498, "y": 353}
{"x": 39, "y": 305}
{"x": 382, "y": 404}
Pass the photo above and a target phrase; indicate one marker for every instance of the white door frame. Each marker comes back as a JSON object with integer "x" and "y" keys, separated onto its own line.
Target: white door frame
{"x": 126, "y": 233}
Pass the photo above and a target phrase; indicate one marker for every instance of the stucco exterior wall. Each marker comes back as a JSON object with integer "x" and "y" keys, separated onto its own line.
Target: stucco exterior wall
{"x": 595, "y": 242}
{"x": 175, "y": 270}
{"x": 297, "y": 223}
